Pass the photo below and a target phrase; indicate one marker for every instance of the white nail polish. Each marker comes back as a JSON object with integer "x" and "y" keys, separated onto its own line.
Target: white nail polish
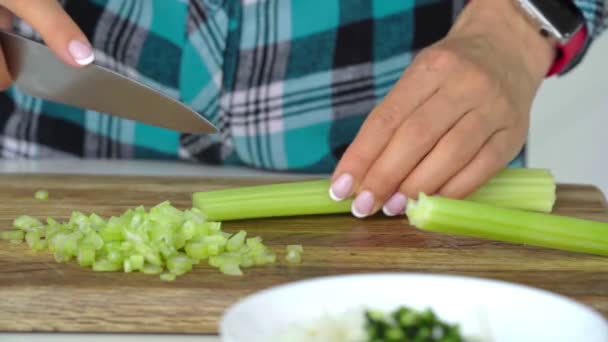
{"x": 355, "y": 212}
{"x": 387, "y": 211}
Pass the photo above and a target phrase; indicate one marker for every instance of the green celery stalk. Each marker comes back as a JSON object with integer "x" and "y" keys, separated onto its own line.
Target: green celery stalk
{"x": 486, "y": 221}
{"x": 527, "y": 189}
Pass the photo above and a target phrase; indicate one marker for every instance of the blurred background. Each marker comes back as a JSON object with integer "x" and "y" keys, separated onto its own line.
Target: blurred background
{"x": 570, "y": 122}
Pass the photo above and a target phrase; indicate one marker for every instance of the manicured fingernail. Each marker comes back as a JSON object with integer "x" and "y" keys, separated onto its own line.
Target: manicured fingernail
{"x": 395, "y": 205}
{"x": 81, "y": 52}
{"x": 363, "y": 204}
{"x": 341, "y": 187}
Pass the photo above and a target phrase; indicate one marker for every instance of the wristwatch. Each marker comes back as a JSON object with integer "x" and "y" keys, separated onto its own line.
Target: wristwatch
{"x": 561, "y": 21}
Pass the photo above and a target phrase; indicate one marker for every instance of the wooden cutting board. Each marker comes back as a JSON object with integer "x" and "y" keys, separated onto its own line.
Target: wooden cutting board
{"x": 38, "y": 294}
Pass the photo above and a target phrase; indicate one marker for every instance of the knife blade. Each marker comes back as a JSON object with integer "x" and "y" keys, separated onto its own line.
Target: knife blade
{"x": 36, "y": 71}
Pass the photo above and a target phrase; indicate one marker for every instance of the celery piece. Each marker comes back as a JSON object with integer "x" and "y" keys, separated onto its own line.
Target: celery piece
{"x": 136, "y": 261}
{"x": 293, "y": 257}
{"x": 32, "y": 238}
{"x": 39, "y": 245}
{"x": 509, "y": 225}
{"x": 42, "y": 195}
{"x": 152, "y": 269}
{"x": 527, "y": 189}
{"x": 295, "y": 248}
{"x": 179, "y": 264}
{"x": 86, "y": 256}
{"x": 236, "y": 242}
{"x": 93, "y": 239}
{"x": 104, "y": 265}
{"x": 13, "y": 235}
{"x": 231, "y": 268}
{"x": 294, "y": 254}
{"x": 167, "y": 277}
{"x": 127, "y": 266}
{"x": 255, "y": 242}
{"x": 24, "y": 222}
{"x": 197, "y": 250}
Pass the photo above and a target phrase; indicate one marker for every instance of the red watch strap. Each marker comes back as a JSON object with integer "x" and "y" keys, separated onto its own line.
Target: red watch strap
{"x": 566, "y": 53}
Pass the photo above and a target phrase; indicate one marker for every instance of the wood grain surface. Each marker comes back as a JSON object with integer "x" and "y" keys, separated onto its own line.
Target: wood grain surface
{"x": 38, "y": 294}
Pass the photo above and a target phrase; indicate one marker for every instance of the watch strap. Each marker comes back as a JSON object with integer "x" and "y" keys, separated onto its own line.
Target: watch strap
{"x": 566, "y": 53}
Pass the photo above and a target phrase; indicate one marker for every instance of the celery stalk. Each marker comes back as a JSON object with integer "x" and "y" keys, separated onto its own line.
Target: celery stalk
{"x": 527, "y": 189}
{"x": 509, "y": 225}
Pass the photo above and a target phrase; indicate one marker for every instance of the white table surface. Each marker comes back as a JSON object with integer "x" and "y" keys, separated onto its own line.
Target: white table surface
{"x": 108, "y": 167}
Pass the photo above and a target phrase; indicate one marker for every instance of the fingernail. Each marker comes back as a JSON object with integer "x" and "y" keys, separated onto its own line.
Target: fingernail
{"x": 341, "y": 187}
{"x": 395, "y": 205}
{"x": 81, "y": 52}
{"x": 363, "y": 205}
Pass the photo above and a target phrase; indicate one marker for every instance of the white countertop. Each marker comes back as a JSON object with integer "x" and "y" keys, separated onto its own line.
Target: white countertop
{"x": 110, "y": 167}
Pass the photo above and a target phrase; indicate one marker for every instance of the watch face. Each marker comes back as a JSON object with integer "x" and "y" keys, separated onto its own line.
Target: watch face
{"x": 562, "y": 14}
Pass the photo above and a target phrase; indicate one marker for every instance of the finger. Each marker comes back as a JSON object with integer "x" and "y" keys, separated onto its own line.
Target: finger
{"x": 492, "y": 157}
{"x": 453, "y": 152}
{"x": 418, "y": 83}
{"x": 416, "y": 137}
{"x": 6, "y": 22}
{"x": 57, "y": 29}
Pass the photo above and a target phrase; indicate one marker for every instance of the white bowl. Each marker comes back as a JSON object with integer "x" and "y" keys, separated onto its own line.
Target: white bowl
{"x": 483, "y": 308}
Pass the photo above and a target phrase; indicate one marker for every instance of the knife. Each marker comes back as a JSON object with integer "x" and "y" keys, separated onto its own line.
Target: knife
{"x": 38, "y": 72}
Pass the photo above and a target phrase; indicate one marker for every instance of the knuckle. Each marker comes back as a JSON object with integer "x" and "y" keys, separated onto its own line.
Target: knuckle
{"x": 419, "y": 132}
{"x": 388, "y": 115}
{"x": 438, "y": 58}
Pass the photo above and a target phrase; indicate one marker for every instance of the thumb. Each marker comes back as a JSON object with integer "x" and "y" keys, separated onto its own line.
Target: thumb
{"x": 58, "y": 30}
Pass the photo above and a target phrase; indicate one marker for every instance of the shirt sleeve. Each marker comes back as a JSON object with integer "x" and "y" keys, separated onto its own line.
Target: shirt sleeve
{"x": 595, "y": 13}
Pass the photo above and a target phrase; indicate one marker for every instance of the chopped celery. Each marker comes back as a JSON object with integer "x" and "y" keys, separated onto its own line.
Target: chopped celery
{"x": 236, "y": 242}
{"x": 24, "y": 222}
{"x": 152, "y": 269}
{"x": 295, "y": 248}
{"x": 528, "y": 189}
{"x": 12, "y": 235}
{"x": 136, "y": 261}
{"x": 167, "y": 276}
{"x": 179, "y": 264}
{"x": 86, "y": 256}
{"x": 104, "y": 265}
{"x": 164, "y": 241}
{"x": 231, "y": 268}
{"x": 509, "y": 225}
{"x": 294, "y": 254}
{"x": 41, "y": 195}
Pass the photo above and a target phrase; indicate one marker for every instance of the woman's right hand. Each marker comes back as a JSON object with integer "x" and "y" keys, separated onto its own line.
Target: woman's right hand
{"x": 57, "y": 29}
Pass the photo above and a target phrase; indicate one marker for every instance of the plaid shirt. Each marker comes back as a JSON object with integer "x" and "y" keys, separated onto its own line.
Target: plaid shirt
{"x": 288, "y": 82}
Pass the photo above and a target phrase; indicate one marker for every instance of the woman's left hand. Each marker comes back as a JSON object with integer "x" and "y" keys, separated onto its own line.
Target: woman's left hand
{"x": 459, "y": 114}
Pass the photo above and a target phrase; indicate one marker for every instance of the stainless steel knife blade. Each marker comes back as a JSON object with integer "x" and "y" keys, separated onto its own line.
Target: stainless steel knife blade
{"x": 39, "y": 73}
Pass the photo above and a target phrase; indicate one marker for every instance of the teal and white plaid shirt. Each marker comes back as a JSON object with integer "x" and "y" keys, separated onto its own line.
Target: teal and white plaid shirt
{"x": 288, "y": 82}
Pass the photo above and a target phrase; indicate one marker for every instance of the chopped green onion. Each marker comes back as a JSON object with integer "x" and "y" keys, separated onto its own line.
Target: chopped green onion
{"x": 41, "y": 195}
{"x": 527, "y": 189}
{"x": 12, "y": 235}
{"x": 509, "y": 225}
